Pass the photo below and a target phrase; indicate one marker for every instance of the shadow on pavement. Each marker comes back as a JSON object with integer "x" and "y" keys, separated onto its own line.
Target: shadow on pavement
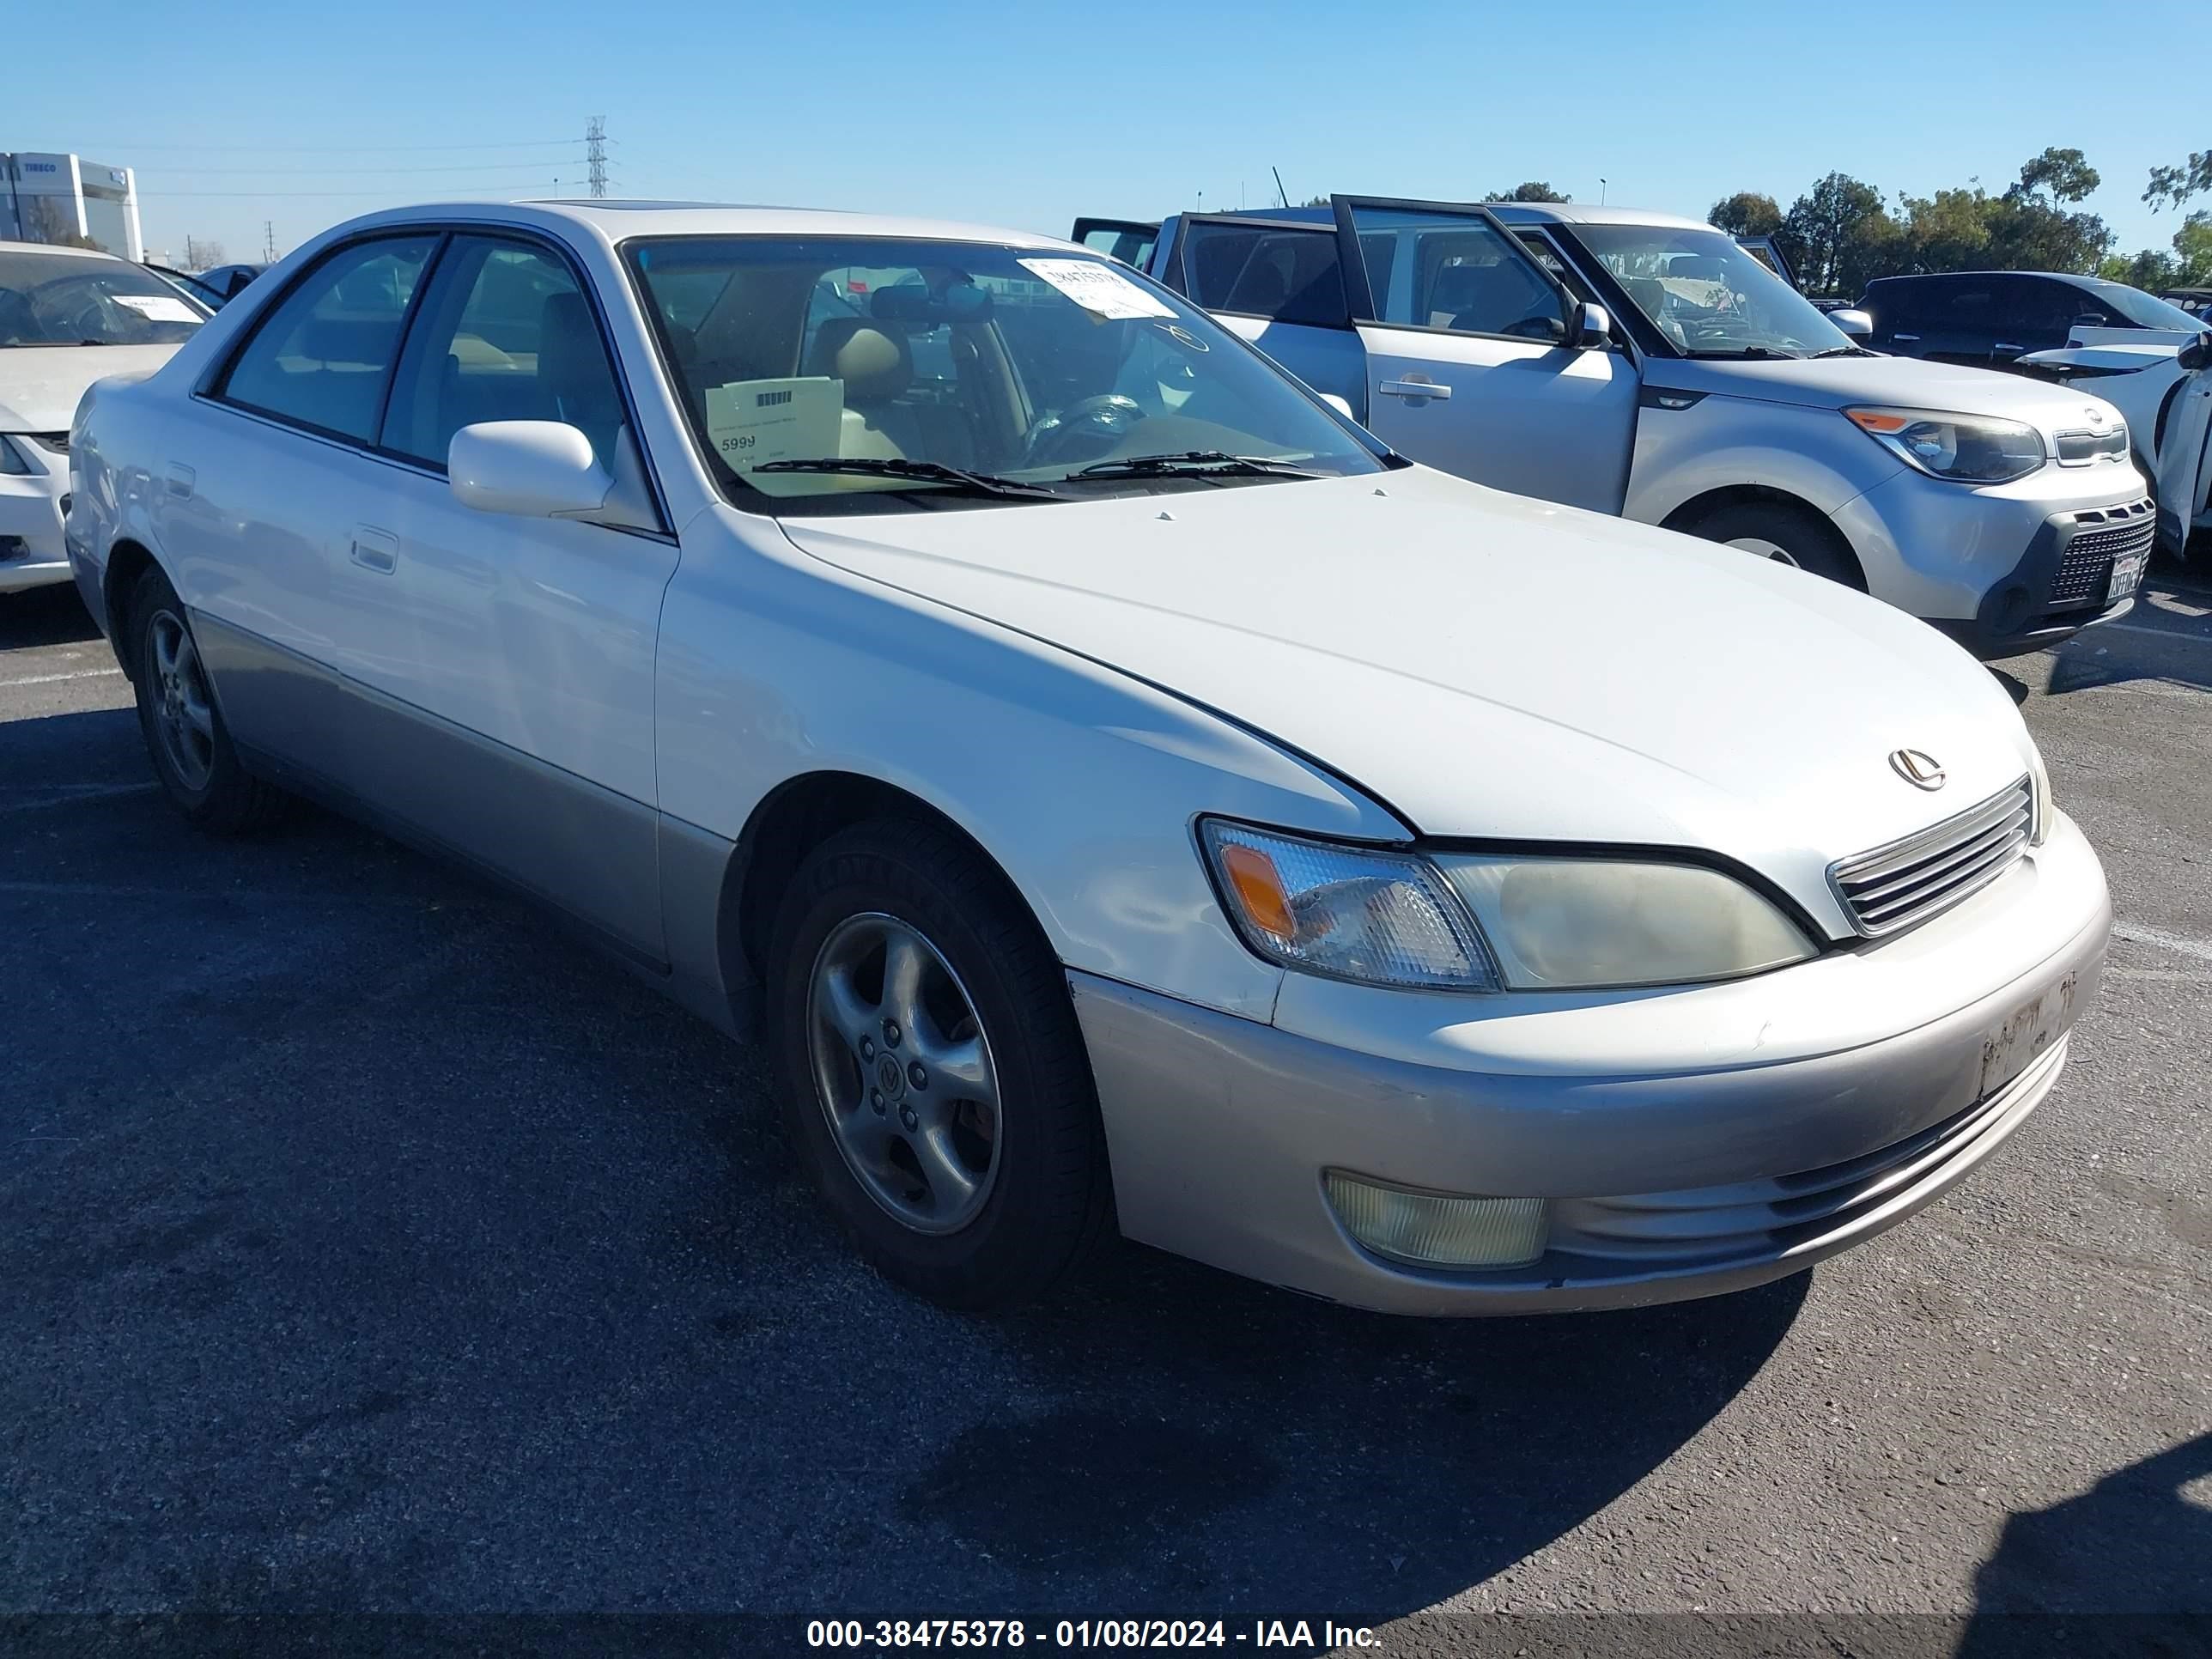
{"x": 2125, "y": 1567}
{"x": 45, "y": 615}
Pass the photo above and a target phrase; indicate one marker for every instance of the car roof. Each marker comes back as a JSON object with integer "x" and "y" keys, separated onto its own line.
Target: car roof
{"x": 1984, "y": 276}
{"x": 1512, "y": 213}
{"x": 55, "y": 247}
{"x": 613, "y": 220}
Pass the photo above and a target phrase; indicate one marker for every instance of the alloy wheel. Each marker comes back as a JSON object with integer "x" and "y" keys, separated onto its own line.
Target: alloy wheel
{"x": 184, "y": 716}
{"x": 903, "y": 1073}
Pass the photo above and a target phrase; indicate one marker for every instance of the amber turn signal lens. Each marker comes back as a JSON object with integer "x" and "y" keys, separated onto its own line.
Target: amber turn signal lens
{"x": 1259, "y": 890}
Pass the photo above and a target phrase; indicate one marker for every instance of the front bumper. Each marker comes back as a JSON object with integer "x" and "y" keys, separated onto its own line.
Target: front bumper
{"x": 1991, "y": 566}
{"x": 1666, "y": 1181}
{"x": 32, "y": 552}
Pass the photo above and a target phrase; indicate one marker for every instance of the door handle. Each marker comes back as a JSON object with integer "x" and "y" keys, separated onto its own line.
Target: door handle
{"x": 1915, "y": 338}
{"x": 181, "y": 481}
{"x": 1415, "y": 389}
{"x": 2006, "y": 345}
{"x": 375, "y": 550}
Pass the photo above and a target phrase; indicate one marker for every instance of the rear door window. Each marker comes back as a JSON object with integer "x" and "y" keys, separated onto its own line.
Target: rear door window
{"x": 1286, "y": 274}
{"x": 1431, "y": 267}
{"x": 322, "y": 358}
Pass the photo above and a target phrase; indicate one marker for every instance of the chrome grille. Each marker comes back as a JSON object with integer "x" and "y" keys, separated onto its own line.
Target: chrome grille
{"x": 1912, "y": 878}
{"x": 2085, "y": 565}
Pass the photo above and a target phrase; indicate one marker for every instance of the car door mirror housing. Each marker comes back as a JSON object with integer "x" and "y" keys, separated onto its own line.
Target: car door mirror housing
{"x": 2196, "y": 354}
{"x": 527, "y": 468}
{"x": 1855, "y": 323}
{"x": 1593, "y": 327}
{"x": 1342, "y": 406}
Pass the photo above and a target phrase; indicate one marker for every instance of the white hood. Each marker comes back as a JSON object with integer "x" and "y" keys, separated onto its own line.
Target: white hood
{"x": 39, "y": 385}
{"x": 1490, "y": 665}
{"x": 1840, "y": 382}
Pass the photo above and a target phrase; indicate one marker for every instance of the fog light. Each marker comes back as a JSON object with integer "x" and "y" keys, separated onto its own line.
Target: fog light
{"x": 1437, "y": 1230}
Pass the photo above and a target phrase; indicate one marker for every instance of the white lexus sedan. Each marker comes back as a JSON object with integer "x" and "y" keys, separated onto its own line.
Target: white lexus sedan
{"x": 1121, "y": 792}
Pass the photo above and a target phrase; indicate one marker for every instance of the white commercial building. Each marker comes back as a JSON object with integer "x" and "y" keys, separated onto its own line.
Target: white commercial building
{"x": 49, "y": 197}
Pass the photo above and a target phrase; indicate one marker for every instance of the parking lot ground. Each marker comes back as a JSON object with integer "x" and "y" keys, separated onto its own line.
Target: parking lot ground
{"x": 365, "y": 1245}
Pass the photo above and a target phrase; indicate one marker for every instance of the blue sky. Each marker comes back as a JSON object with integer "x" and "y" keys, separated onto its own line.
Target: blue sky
{"x": 1026, "y": 115}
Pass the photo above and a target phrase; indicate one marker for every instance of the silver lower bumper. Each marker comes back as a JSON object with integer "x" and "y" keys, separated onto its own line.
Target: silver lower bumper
{"x": 1219, "y": 1129}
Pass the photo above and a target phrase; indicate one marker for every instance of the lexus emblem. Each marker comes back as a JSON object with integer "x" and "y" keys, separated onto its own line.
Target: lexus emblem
{"x": 1916, "y": 767}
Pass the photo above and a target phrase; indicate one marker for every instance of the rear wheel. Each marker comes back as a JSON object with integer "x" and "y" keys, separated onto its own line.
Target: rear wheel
{"x": 1788, "y": 535}
{"x": 934, "y": 1079}
{"x": 191, "y": 749}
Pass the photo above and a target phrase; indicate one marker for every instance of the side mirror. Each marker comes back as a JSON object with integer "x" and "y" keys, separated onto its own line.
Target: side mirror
{"x": 530, "y": 469}
{"x": 2197, "y": 354}
{"x": 237, "y": 285}
{"x": 1337, "y": 403}
{"x": 1593, "y": 327}
{"x": 2091, "y": 319}
{"x": 1855, "y": 323}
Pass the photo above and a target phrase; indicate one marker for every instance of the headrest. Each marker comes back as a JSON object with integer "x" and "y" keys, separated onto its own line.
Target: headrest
{"x": 874, "y": 364}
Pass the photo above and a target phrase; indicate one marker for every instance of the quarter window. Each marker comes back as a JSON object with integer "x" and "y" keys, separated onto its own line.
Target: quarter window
{"x": 505, "y": 334}
{"x": 322, "y": 357}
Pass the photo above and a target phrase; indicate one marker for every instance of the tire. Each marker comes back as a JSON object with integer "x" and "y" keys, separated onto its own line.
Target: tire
{"x": 185, "y": 739}
{"x": 1789, "y": 535}
{"x": 1014, "y": 1112}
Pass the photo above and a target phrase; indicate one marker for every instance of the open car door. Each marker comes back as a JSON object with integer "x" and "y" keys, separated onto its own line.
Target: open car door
{"x": 1129, "y": 241}
{"x": 1475, "y": 360}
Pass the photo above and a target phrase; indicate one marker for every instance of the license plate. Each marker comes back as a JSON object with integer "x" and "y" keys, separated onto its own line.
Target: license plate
{"x": 2127, "y": 575}
{"x": 2030, "y": 1030}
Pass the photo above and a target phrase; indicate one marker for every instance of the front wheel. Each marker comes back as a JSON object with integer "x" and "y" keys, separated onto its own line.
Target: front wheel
{"x": 934, "y": 1079}
{"x": 1788, "y": 535}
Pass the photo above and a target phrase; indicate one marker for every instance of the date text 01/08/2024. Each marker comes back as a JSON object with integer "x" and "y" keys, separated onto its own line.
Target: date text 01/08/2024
{"x": 1292, "y": 1635}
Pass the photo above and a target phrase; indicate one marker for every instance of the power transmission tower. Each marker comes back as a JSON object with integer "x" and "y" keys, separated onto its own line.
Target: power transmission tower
{"x": 595, "y": 138}
{"x": 267, "y": 241}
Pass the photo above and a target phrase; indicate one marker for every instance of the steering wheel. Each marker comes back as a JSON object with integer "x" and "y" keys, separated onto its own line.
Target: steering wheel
{"x": 1096, "y": 421}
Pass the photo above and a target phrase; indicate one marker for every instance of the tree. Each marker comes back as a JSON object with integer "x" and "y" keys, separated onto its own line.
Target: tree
{"x": 199, "y": 255}
{"x": 2029, "y": 228}
{"x": 1947, "y": 231}
{"x": 1746, "y": 213}
{"x": 1838, "y": 234}
{"x": 2171, "y": 186}
{"x": 2189, "y": 264}
{"x": 1533, "y": 191}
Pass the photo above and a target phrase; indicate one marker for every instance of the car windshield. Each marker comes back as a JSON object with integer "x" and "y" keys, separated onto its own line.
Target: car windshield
{"x": 62, "y": 299}
{"x": 2144, "y": 310}
{"x": 875, "y": 374}
{"x": 1708, "y": 296}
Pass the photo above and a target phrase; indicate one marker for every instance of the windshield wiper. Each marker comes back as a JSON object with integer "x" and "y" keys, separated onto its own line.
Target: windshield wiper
{"x": 1196, "y": 462}
{"x": 1846, "y": 351}
{"x": 1756, "y": 353}
{"x": 978, "y": 484}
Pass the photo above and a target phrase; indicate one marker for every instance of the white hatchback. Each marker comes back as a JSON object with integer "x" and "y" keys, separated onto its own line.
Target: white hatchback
{"x": 1119, "y": 790}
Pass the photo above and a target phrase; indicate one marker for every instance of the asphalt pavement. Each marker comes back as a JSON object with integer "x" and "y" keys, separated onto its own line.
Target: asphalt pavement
{"x": 368, "y": 1246}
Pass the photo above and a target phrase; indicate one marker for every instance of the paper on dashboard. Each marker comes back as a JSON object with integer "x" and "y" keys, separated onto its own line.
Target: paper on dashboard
{"x": 1097, "y": 288}
{"x": 797, "y": 418}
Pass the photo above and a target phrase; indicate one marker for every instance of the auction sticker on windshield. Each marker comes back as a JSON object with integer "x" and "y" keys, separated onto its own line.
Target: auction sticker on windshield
{"x": 158, "y": 307}
{"x": 1097, "y": 288}
{"x": 795, "y": 419}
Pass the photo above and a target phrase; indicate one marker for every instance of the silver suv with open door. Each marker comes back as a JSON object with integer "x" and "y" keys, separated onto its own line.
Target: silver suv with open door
{"x": 1647, "y": 366}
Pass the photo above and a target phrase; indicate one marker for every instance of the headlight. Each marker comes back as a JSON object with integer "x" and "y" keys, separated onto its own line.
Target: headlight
{"x": 12, "y": 463}
{"x": 1349, "y": 912}
{"x": 1970, "y": 448}
{"x": 1560, "y": 923}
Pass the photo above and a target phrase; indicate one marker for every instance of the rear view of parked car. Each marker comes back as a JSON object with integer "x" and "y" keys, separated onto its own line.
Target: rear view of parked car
{"x": 1651, "y": 367}
{"x": 1118, "y": 789}
{"x": 67, "y": 318}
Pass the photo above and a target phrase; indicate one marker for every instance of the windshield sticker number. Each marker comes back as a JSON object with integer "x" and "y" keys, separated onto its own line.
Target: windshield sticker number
{"x": 750, "y": 421}
{"x": 158, "y": 307}
{"x": 1097, "y": 288}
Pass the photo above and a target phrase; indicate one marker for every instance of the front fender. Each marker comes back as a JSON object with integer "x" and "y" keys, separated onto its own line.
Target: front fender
{"x": 1721, "y": 442}
{"x": 1082, "y": 782}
